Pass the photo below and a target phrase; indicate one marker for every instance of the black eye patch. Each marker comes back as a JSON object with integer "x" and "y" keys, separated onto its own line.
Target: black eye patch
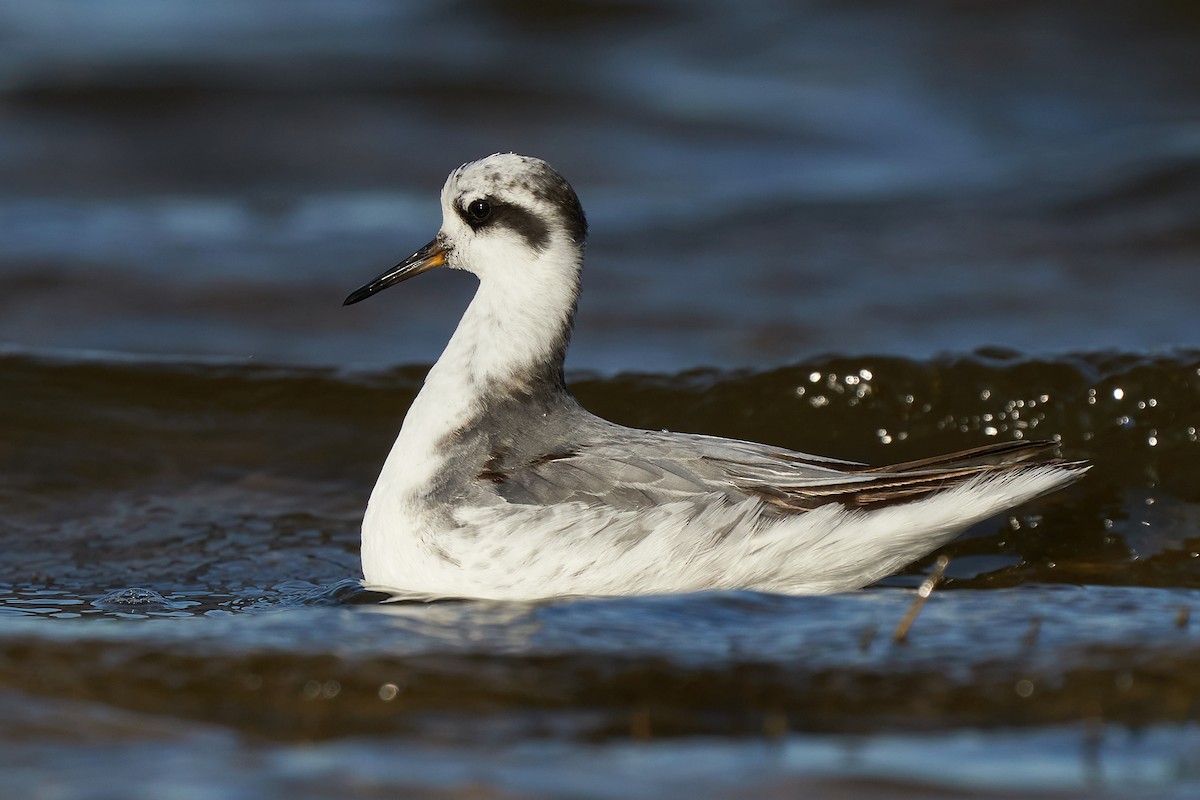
{"x": 482, "y": 212}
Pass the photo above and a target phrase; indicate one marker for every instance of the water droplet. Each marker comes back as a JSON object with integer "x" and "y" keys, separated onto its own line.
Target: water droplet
{"x": 133, "y": 598}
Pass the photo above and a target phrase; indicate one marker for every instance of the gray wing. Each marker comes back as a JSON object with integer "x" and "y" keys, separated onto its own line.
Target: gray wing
{"x": 630, "y": 469}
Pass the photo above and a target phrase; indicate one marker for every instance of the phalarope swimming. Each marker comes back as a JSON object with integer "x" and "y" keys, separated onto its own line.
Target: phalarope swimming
{"x": 500, "y": 485}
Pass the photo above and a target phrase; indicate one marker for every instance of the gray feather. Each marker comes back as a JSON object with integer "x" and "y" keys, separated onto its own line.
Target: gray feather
{"x": 557, "y": 452}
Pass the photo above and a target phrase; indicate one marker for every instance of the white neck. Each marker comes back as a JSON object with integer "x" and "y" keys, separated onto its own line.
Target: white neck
{"x": 507, "y": 335}
{"x": 514, "y": 331}
{"x": 512, "y": 335}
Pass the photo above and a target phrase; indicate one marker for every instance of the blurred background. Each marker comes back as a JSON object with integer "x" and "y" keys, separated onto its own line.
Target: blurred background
{"x": 894, "y": 227}
{"x": 765, "y": 181}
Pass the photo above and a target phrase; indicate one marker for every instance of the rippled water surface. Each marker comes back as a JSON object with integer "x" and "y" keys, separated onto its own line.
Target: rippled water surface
{"x": 179, "y": 576}
{"x": 869, "y": 230}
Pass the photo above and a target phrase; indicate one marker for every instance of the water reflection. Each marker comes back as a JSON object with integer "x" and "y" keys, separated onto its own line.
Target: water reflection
{"x": 912, "y": 180}
{"x": 767, "y": 183}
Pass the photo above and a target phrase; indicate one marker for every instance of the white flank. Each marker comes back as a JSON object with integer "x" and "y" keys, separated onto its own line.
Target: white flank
{"x": 511, "y": 552}
{"x": 422, "y": 536}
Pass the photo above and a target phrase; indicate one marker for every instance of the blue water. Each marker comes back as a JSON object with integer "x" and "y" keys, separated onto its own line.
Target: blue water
{"x": 764, "y": 182}
{"x": 189, "y": 190}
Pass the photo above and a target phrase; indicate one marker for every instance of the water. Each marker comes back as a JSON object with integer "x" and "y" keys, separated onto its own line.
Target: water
{"x": 870, "y": 230}
{"x": 178, "y": 576}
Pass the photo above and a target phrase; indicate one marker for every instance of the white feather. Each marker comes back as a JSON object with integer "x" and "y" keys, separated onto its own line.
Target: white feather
{"x": 421, "y": 536}
{"x": 508, "y": 552}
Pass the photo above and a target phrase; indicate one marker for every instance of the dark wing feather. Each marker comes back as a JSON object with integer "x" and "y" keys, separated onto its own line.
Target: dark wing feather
{"x": 631, "y": 469}
{"x": 912, "y": 480}
{"x": 1000, "y": 454}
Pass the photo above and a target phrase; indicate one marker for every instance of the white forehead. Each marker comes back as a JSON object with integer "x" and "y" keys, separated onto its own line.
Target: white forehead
{"x": 535, "y": 200}
{"x": 506, "y": 175}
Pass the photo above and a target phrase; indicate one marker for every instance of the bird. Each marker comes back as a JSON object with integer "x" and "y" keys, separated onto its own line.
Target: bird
{"x": 501, "y": 486}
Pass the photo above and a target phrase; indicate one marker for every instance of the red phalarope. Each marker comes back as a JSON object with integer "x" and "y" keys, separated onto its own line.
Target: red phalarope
{"x": 500, "y": 485}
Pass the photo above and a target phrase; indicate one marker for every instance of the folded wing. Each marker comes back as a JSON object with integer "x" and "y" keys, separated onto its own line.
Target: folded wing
{"x": 632, "y": 472}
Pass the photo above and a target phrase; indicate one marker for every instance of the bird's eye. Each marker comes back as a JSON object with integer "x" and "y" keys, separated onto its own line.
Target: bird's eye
{"x": 479, "y": 210}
